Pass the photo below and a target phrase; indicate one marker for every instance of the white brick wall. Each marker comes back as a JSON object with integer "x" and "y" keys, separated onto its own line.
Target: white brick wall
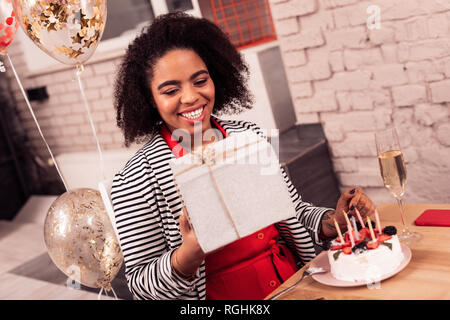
{"x": 440, "y": 91}
{"x": 293, "y": 8}
{"x": 351, "y": 79}
{"x": 364, "y": 80}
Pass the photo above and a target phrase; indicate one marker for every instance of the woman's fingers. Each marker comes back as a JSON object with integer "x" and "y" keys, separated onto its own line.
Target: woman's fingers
{"x": 189, "y": 237}
{"x": 367, "y": 206}
{"x": 363, "y": 203}
{"x": 184, "y": 223}
{"x": 343, "y": 202}
{"x": 355, "y": 200}
{"x": 348, "y": 194}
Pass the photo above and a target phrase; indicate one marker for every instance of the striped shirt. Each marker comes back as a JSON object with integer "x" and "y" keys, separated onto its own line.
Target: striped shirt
{"x": 147, "y": 208}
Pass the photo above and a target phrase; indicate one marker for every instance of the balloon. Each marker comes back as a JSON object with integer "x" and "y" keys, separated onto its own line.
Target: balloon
{"x": 80, "y": 238}
{"x": 8, "y": 25}
{"x": 67, "y": 30}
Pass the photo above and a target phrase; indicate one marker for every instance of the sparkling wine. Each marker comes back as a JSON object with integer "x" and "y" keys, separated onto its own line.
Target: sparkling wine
{"x": 393, "y": 171}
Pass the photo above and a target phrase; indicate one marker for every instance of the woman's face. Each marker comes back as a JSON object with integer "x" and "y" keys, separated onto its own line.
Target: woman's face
{"x": 183, "y": 90}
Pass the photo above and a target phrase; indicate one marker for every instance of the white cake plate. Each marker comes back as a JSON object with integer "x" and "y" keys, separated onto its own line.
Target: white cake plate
{"x": 321, "y": 261}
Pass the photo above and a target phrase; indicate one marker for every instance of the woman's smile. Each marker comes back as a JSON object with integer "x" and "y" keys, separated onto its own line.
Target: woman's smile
{"x": 194, "y": 113}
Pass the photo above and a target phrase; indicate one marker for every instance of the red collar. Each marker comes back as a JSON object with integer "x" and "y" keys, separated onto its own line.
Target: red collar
{"x": 173, "y": 144}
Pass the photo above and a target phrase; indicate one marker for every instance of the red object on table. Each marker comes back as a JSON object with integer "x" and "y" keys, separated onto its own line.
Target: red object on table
{"x": 434, "y": 217}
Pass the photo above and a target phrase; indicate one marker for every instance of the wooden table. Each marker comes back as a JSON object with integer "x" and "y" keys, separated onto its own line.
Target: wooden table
{"x": 427, "y": 276}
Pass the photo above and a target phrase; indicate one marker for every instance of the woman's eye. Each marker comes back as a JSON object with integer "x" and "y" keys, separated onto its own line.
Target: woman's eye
{"x": 170, "y": 92}
{"x": 200, "y": 82}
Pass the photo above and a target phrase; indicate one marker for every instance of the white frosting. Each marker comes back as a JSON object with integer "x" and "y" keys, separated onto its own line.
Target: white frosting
{"x": 368, "y": 266}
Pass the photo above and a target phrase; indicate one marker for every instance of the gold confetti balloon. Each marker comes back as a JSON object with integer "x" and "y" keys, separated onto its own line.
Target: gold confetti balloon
{"x": 80, "y": 238}
{"x": 67, "y": 30}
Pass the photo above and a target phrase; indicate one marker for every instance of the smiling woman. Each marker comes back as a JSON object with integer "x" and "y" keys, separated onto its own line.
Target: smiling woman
{"x": 193, "y": 45}
{"x": 177, "y": 76}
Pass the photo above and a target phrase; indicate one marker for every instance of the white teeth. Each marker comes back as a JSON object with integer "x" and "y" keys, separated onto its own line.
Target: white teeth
{"x": 194, "y": 114}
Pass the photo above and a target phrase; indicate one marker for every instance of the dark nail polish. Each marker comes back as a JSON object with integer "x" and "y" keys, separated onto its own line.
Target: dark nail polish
{"x": 352, "y": 191}
{"x": 352, "y": 207}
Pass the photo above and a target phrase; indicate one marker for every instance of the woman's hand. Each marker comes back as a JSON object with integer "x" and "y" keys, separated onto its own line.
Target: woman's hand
{"x": 351, "y": 198}
{"x": 359, "y": 200}
{"x": 187, "y": 258}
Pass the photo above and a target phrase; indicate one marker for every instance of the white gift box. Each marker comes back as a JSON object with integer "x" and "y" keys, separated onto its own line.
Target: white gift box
{"x": 231, "y": 189}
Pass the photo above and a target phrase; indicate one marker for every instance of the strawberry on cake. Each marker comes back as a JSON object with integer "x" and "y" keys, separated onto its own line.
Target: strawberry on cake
{"x": 365, "y": 256}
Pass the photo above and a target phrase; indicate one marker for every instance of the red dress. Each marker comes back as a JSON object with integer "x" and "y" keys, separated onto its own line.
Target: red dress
{"x": 249, "y": 268}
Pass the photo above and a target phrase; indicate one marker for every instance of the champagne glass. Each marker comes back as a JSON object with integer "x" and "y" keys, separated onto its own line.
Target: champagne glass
{"x": 393, "y": 172}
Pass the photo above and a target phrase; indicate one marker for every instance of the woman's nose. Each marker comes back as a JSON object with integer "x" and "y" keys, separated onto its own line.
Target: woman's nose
{"x": 189, "y": 95}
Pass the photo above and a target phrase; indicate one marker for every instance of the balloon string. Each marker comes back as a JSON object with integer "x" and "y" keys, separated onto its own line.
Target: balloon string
{"x": 80, "y": 69}
{"x": 106, "y": 292}
{"x": 99, "y": 297}
{"x": 114, "y": 293}
{"x": 37, "y": 123}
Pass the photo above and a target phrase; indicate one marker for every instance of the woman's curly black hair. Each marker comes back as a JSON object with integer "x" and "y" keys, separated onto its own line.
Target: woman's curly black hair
{"x": 133, "y": 100}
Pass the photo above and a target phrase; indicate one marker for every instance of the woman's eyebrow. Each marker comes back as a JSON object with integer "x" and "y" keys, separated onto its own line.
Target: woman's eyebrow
{"x": 193, "y": 76}
{"x": 196, "y": 74}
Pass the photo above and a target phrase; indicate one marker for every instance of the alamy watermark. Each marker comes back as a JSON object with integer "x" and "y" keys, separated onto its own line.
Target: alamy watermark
{"x": 74, "y": 277}
{"x": 373, "y": 277}
{"x": 374, "y": 20}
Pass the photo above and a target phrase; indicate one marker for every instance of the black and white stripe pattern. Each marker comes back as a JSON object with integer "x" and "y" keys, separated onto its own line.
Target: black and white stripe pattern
{"x": 147, "y": 209}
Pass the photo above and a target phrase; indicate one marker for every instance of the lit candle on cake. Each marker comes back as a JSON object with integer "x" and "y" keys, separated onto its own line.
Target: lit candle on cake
{"x": 354, "y": 227}
{"x": 371, "y": 229}
{"x": 350, "y": 233}
{"x": 341, "y": 238}
{"x": 359, "y": 218}
{"x": 377, "y": 219}
{"x": 349, "y": 228}
{"x": 346, "y": 217}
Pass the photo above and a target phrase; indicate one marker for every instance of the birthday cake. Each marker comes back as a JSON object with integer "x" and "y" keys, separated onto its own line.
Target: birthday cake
{"x": 365, "y": 255}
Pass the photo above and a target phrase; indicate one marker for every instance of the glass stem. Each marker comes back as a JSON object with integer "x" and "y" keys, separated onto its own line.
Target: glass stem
{"x": 402, "y": 215}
